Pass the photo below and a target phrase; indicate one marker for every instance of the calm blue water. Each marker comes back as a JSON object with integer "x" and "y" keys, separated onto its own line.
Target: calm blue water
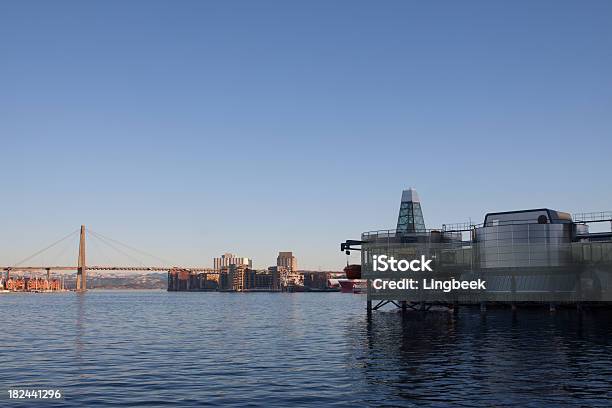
{"x": 190, "y": 349}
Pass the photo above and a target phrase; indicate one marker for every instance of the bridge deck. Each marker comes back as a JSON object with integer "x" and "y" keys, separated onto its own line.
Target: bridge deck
{"x": 107, "y": 268}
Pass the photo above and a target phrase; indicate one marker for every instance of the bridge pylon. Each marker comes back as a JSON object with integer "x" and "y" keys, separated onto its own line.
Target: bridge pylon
{"x": 81, "y": 280}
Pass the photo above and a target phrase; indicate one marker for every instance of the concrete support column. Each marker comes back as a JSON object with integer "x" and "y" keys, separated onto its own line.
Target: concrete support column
{"x": 81, "y": 281}
{"x": 456, "y": 308}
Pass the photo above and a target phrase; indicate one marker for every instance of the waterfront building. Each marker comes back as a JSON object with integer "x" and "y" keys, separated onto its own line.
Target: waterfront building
{"x": 315, "y": 280}
{"x": 287, "y": 268}
{"x": 228, "y": 259}
{"x": 244, "y": 279}
{"x": 275, "y": 274}
{"x": 287, "y": 260}
{"x": 224, "y": 281}
{"x": 179, "y": 280}
{"x": 536, "y": 255}
{"x": 285, "y": 276}
{"x": 239, "y": 277}
{"x": 184, "y": 280}
{"x": 212, "y": 280}
{"x": 266, "y": 281}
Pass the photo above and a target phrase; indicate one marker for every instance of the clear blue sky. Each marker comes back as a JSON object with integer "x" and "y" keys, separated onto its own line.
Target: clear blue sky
{"x": 191, "y": 128}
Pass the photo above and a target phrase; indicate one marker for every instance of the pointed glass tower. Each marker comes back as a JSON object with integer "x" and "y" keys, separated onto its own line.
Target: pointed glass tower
{"x": 410, "y": 217}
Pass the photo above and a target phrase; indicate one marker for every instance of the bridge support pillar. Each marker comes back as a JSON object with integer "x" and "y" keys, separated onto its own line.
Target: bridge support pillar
{"x": 81, "y": 281}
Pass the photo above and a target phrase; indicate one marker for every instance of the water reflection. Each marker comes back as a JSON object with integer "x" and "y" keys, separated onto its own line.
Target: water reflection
{"x": 79, "y": 328}
{"x": 193, "y": 349}
{"x": 513, "y": 358}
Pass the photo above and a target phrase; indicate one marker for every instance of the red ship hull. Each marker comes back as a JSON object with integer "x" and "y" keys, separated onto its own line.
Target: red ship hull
{"x": 352, "y": 285}
{"x": 353, "y": 271}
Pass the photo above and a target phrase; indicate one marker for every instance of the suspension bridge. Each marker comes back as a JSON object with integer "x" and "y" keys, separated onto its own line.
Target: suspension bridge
{"x": 81, "y": 266}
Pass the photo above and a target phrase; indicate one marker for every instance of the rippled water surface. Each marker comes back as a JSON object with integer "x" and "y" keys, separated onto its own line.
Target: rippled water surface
{"x": 141, "y": 348}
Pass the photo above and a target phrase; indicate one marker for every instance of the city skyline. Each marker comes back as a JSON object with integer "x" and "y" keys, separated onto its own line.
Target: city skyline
{"x": 191, "y": 130}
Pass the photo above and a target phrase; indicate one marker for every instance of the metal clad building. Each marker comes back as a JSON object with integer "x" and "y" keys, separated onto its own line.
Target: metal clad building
{"x": 537, "y": 255}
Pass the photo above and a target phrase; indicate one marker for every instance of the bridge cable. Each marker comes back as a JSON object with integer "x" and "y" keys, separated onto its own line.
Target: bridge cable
{"x": 165, "y": 261}
{"x": 138, "y": 261}
{"x": 99, "y": 249}
{"x": 63, "y": 249}
{"x": 44, "y": 249}
{"x": 106, "y": 242}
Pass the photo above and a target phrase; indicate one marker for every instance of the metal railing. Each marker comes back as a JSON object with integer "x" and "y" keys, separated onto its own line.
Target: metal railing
{"x": 577, "y": 218}
{"x": 460, "y": 226}
{"x": 600, "y": 216}
{"x": 393, "y": 233}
